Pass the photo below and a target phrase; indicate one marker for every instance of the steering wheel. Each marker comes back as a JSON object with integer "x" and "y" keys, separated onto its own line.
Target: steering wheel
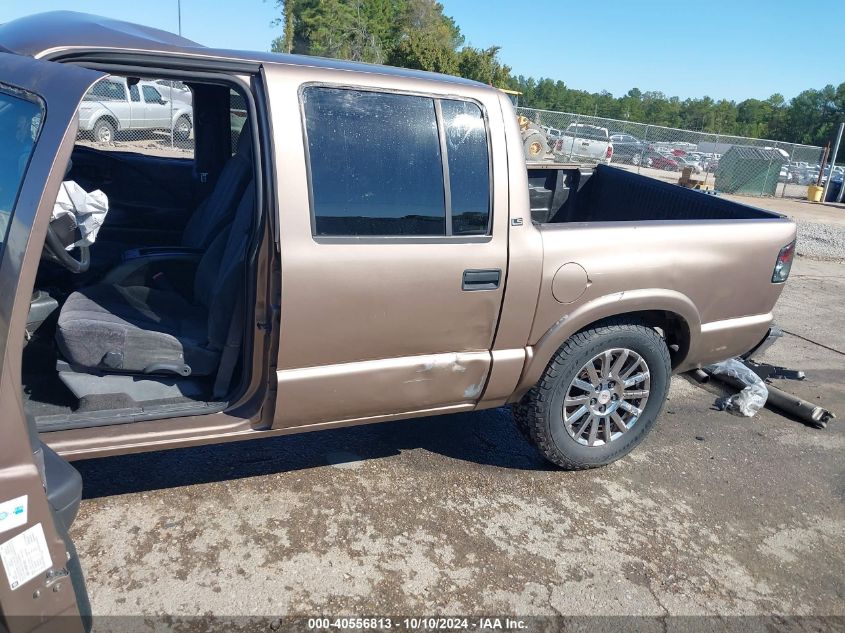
{"x": 56, "y": 249}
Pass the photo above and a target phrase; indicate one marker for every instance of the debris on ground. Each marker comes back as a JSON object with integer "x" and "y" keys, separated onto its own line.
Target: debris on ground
{"x": 754, "y": 394}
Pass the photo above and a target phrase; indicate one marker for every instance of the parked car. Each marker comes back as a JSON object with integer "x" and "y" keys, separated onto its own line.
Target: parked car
{"x": 656, "y": 160}
{"x": 114, "y": 106}
{"x": 374, "y": 249}
{"x": 688, "y": 161}
{"x": 628, "y": 149}
{"x": 585, "y": 143}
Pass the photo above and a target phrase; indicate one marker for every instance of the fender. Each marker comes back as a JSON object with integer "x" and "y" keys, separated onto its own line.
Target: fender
{"x": 183, "y": 111}
{"x": 616, "y": 304}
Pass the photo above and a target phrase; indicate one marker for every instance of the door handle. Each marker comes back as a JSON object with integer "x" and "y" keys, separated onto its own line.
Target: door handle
{"x": 485, "y": 279}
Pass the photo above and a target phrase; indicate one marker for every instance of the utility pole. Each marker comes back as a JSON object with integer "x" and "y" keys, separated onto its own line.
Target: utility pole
{"x": 179, "y": 15}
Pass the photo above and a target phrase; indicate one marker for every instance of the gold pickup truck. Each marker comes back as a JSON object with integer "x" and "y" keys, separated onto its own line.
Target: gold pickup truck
{"x": 367, "y": 245}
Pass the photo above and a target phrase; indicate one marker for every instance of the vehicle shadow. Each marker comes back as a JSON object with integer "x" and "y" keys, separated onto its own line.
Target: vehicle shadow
{"x": 487, "y": 438}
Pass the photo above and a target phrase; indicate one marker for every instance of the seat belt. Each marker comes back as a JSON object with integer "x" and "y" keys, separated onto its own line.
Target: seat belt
{"x": 230, "y": 353}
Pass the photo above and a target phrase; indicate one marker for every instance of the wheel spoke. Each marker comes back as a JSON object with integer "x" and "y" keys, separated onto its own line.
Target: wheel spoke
{"x": 630, "y": 408}
{"x": 630, "y": 370}
{"x": 618, "y": 421}
{"x": 641, "y": 393}
{"x": 606, "y": 362}
{"x": 583, "y": 426}
{"x": 620, "y": 362}
{"x": 575, "y": 416}
{"x": 573, "y": 400}
{"x": 593, "y": 429}
{"x": 592, "y": 374}
{"x": 583, "y": 385}
{"x": 606, "y": 430}
{"x": 636, "y": 379}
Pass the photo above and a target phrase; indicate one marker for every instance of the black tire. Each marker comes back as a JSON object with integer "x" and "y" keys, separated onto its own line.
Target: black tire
{"x": 539, "y": 415}
{"x": 635, "y": 159}
{"x": 104, "y": 131}
{"x": 182, "y": 128}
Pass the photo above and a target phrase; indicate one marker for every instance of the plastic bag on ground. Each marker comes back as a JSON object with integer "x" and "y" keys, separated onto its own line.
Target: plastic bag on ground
{"x": 751, "y": 399}
{"x": 89, "y": 210}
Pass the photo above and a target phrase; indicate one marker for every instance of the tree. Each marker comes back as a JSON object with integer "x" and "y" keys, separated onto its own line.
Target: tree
{"x": 417, "y": 34}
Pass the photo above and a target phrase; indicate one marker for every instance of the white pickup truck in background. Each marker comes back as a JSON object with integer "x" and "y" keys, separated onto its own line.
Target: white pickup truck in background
{"x": 112, "y": 106}
{"x": 583, "y": 143}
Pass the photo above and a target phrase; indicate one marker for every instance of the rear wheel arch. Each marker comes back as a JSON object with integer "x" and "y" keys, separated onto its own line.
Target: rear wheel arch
{"x": 674, "y": 316}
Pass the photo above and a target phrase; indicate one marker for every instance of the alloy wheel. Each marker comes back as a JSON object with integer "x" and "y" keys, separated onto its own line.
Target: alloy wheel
{"x": 606, "y": 397}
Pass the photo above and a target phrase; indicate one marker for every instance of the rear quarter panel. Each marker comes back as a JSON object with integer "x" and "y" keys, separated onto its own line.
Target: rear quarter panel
{"x": 716, "y": 275}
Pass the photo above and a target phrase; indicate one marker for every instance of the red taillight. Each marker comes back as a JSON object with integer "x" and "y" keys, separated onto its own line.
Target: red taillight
{"x": 784, "y": 263}
{"x": 609, "y": 152}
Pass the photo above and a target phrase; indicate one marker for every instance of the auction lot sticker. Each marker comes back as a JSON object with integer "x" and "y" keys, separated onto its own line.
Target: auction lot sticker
{"x": 25, "y": 556}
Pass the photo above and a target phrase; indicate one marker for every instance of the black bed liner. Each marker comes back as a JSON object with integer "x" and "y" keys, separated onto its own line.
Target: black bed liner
{"x": 562, "y": 194}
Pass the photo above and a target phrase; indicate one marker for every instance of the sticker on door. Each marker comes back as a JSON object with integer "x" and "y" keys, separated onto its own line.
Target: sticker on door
{"x": 13, "y": 513}
{"x": 25, "y": 556}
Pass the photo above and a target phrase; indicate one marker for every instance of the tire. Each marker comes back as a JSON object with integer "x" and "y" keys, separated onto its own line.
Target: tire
{"x": 635, "y": 159}
{"x": 540, "y": 414}
{"x": 182, "y": 128}
{"x": 104, "y": 131}
{"x": 534, "y": 146}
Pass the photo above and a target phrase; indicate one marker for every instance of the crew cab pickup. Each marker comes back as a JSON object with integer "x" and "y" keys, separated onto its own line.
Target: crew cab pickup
{"x": 370, "y": 245}
{"x": 112, "y": 106}
{"x": 584, "y": 143}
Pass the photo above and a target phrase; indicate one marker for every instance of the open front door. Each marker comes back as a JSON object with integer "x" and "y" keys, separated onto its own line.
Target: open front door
{"x": 41, "y": 583}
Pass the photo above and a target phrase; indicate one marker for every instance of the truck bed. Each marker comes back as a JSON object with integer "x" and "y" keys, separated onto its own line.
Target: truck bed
{"x": 565, "y": 194}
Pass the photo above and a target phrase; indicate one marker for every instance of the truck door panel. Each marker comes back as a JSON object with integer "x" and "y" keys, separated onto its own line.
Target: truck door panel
{"x": 375, "y": 325}
{"x": 41, "y": 583}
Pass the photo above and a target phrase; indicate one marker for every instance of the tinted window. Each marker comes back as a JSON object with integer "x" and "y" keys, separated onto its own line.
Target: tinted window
{"x": 375, "y": 163}
{"x": 469, "y": 173}
{"x": 105, "y": 90}
{"x": 151, "y": 95}
{"x": 20, "y": 122}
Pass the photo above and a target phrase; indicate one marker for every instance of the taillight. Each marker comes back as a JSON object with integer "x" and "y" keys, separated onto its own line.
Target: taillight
{"x": 784, "y": 263}
{"x": 609, "y": 152}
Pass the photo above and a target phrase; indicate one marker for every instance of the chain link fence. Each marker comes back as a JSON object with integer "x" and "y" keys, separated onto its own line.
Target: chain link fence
{"x": 724, "y": 163}
{"x": 147, "y": 116}
{"x": 150, "y": 116}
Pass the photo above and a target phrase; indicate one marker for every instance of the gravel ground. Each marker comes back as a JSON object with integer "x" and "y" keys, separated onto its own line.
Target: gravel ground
{"x": 821, "y": 241}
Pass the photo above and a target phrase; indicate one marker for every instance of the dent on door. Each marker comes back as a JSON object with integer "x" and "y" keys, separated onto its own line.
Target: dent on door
{"x": 382, "y": 387}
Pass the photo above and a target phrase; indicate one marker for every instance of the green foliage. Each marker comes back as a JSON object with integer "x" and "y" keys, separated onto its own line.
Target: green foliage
{"x": 417, "y": 34}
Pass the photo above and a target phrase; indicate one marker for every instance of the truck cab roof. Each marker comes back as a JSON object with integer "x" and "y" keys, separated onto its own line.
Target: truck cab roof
{"x": 57, "y": 34}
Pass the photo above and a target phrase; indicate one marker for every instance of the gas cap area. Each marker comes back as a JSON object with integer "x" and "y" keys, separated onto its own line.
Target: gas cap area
{"x": 569, "y": 283}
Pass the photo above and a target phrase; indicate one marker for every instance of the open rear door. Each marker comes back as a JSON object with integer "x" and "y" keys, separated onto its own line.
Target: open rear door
{"x": 41, "y": 583}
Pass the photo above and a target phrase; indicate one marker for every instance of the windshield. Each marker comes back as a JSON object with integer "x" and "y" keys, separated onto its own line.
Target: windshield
{"x": 20, "y": 122}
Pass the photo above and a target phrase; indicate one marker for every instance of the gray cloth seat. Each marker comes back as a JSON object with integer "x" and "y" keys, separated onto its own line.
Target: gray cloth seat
{"x": 136, "y": 329}
{"x": 216, "y": 211}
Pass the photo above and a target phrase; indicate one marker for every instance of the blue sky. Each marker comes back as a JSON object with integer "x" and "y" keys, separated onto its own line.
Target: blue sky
{"x": 732, "y": 49}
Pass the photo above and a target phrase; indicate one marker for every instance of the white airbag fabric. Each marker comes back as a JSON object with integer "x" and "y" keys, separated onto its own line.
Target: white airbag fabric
{"x": 88, "y": 209}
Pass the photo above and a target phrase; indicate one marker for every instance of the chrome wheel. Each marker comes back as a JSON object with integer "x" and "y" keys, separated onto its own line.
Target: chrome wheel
{"x": 606, "y": 397}
{"x": 104, "y": 134}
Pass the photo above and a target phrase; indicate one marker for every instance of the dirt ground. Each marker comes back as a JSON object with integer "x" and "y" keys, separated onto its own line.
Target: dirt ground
{"x": 457, "y": 515}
